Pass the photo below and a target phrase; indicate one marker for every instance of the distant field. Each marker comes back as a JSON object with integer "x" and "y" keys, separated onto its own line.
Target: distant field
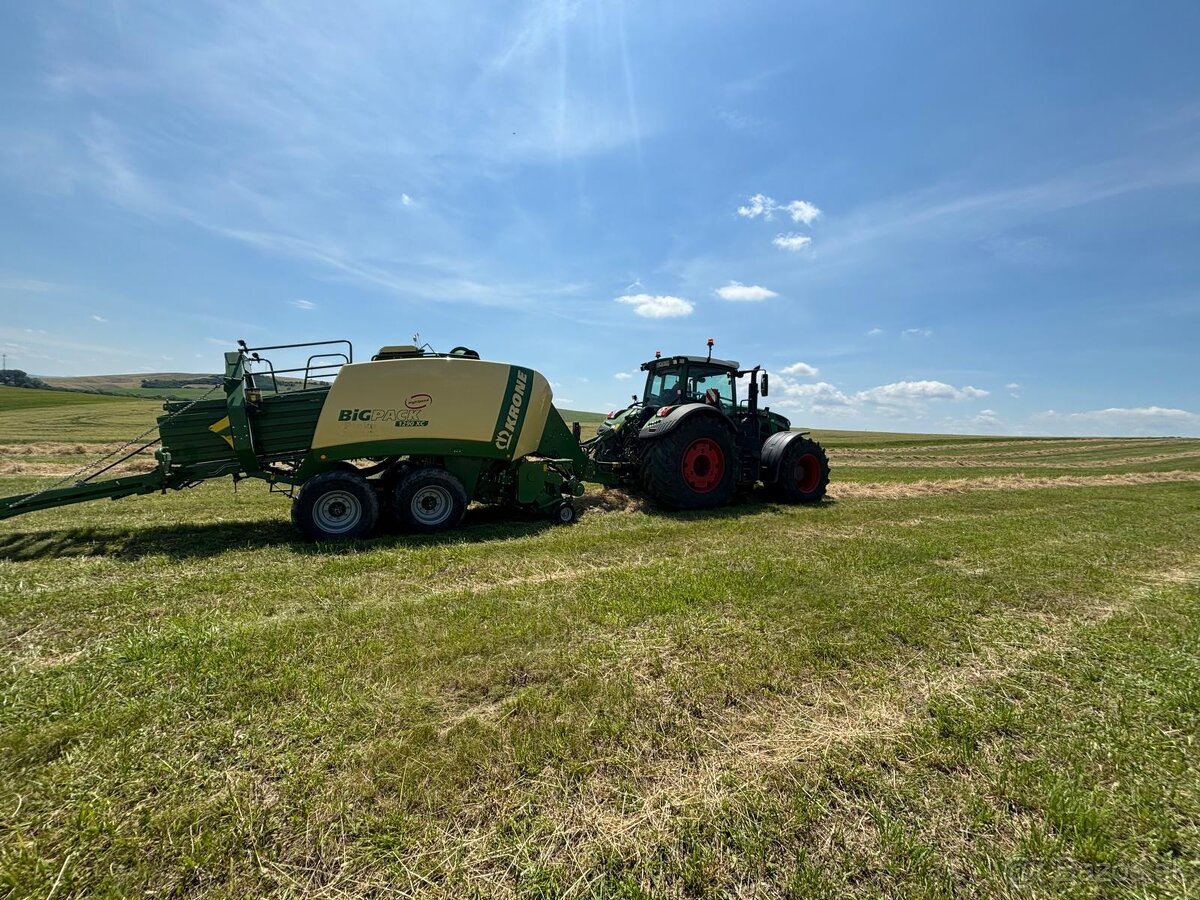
{"x": 130, "y": 384}
{"x": 28, "y": 416}
{"x": 971, "y": 672}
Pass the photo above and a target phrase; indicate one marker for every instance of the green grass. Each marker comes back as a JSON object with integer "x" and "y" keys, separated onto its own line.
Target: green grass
{"x": 33, "y": 416}
{"x": 19, "y": 399}
{"x": 979, "y": 693}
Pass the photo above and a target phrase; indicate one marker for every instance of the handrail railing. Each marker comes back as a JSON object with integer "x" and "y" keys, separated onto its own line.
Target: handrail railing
{"x": 252, "y": 355}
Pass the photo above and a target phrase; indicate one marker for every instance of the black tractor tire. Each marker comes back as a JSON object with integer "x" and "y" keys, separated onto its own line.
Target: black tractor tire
{"x": 803, "y": 473}
{"x": 336, "y": 506}
{"x": 429, "y": 500}
{"x": 692, "y": 467}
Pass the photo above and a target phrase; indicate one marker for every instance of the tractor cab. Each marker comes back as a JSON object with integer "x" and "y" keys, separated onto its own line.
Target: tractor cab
{"x": 691, "y": 379}
{"x": 675, "y": 380}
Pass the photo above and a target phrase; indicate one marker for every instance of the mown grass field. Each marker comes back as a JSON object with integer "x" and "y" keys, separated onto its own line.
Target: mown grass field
{"x": 974, "y": 671}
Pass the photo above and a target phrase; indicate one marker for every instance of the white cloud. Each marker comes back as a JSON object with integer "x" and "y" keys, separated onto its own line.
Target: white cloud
{"x": 917, "y": 332}
{"x": 803, "y": 211}
{"x": 819, "y": 397}
{"x": 1013, "y": 386}
{"x": 657, "y": 306}
{"x": 910, "y": 392}
{"x": 406, "y": 200}
{"x": 800, "y": 369}
{"x": 1126, "y": 421}
{"x": 791, "y": 241}
{"x": 622, "y": 376}
{"x": 766, "y": 207}
{"x": 986, "y": 417}
{"x": 96, "y": 318}
{"x": 735, "y": 290}
{"x": 304, "y": 304}
{"x": 758, "y": 205}
{"x": 875, "y": 332}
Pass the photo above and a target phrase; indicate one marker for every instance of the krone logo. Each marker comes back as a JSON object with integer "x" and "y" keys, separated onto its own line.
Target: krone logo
{"x": 505, "y": 435}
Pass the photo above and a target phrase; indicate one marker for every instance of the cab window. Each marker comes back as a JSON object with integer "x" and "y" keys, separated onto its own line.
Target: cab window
{"x": 701, "y": 380}
{"x": 662, "y": 388}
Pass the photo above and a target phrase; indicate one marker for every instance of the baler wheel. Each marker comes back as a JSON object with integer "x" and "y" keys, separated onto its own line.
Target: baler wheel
{"x": 564, "y": 513}
{"x": 692, "y": 467}
{"x": 429, "y": 500}
{"x": 335, "y": 505}
{"x": 803, "y": 473}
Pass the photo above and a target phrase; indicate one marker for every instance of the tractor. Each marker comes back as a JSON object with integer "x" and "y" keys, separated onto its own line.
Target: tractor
{"x": 690, "y": 443}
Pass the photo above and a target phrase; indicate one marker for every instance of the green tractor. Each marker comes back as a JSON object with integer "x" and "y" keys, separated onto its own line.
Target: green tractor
{"x": 690, "y": 443}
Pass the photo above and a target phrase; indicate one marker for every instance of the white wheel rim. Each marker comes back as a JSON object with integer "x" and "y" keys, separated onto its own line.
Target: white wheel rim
{"x": 337, "y": 512}
{"x": 431, "y": 505}
{"x": 566, "y": 514}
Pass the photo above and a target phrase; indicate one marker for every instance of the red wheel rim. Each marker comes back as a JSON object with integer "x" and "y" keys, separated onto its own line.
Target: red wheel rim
{"x": 808, "y": 473}
{"x": 703, "y": 465}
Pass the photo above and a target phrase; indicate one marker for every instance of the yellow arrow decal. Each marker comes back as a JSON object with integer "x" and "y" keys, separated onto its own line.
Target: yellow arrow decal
{"x": 223, "y": 429}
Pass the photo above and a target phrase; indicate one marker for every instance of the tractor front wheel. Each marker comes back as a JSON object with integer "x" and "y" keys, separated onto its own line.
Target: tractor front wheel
{"x": 803, "y": 473}
{"x": 429, "y": 500}
{"x": 692, "y": 467}
{"x": 335, "y": 505}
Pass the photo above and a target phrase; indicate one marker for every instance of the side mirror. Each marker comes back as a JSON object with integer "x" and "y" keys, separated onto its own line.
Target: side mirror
{"x": 763, "y": 390}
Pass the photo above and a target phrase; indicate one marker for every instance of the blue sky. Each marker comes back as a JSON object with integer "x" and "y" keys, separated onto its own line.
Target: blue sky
{"x": 930, "y": 216}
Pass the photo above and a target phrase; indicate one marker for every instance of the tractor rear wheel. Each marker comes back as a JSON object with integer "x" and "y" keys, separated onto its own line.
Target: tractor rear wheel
{"x": 335, "y": 505}
{"x": 803, "y": 473}
{"x": 428, "y": 500}
{"x": 693, "y": 466}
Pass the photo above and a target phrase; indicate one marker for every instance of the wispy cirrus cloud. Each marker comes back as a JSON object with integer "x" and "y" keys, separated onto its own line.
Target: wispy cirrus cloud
{"x": 20, "y": 285}
{"x": 263, "y": 166}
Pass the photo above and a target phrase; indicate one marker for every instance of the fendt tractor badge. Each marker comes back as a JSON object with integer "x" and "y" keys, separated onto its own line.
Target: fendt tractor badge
{"x": 409, "y": 417}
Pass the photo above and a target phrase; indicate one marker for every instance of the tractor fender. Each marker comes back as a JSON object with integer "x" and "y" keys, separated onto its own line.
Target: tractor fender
{"x": 772, "y": 452}
{"x": 660, "y": 425}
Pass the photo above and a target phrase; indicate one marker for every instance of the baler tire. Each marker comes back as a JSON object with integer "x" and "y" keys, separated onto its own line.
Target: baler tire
{"x": 564, "y": 513}
{"x": 803, "y": 473}
{"x": 677, "y": 468}
{"x": 326, "y": 499}
{"x": 424, "y": 486}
